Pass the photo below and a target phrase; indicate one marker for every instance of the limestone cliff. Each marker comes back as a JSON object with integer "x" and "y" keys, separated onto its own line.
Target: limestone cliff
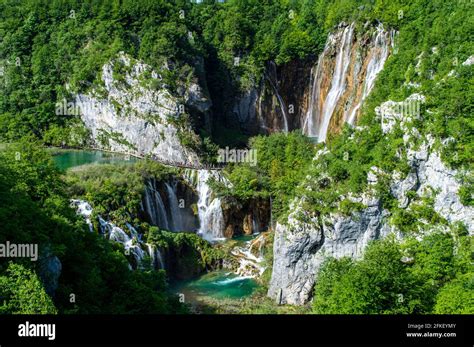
{"x": 304, "y": 241}
{"x": 133, "y": 111}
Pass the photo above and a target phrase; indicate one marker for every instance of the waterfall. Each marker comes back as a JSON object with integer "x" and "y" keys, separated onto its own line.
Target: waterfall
{"x": 132, "y": 244}
{"x": 149, "y": 206}
{"x": 338, "y": 81}
{"x": 279, "y": 98}
{"x": 155, "y": 207}
{"x": 156, "y": 257}
{"x": 175, "y": 210}
{"x": 343, "y": 89}
{"x": 255, "y": 226}
{"x": 378, "y": 55}
{"x": 250, "y": 257}
{"x": 211, "y": 217}
{"x": 84, "y": 209}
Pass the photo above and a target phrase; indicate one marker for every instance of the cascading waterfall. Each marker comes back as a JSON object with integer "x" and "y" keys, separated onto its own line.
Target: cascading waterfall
{"x": 250, "y": 257}
{"x": 132, "y": 243}
{"x": 155, "y": 206}
{"x": 342, "y": 89}
{"x": 156, "y": 257}
{"x": 378, "y": 55}
{"x": 84, "y": 209}
{"x": 176, "y": 219}
{"x": 211, "y": 217}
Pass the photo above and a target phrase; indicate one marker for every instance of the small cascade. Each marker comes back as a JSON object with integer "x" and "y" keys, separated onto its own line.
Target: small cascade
{"x": 211, "y": 217}
{"x": 156, "y": 257}
{"x": 132, "y": 242}
{"x": 339, "y": 85}
{"x": 133, "y": 232}
{"x": 176, "y": 219}
{"x": 84, "y": 209}
{"x": 249, "y": 257}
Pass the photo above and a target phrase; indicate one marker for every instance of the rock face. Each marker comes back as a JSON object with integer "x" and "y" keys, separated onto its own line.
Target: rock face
{"x": 301, "y": 247}
{"x": 278, "y": 102}
{"x": 303, "y": 243}
{"x": 134, "y": 112}
{"x": 318, "y": 96}
{"x": 432, "y": 177}
{"x": 49, "y": 271}
{"x": 429, "y": 175}
{"x": 246, "y": 218}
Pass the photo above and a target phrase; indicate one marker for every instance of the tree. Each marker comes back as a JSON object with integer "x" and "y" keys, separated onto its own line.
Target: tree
{"x": 456, "y": 297}
{"x": 23, "y": 292}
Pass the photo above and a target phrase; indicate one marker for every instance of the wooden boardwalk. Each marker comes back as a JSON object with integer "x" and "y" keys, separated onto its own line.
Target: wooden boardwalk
{"x": 186, "y": 165}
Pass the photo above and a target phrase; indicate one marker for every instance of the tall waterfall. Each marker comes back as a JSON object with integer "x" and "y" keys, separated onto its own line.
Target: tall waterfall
{"x": 339, "y": 85}
{"x": 343, "y": 60}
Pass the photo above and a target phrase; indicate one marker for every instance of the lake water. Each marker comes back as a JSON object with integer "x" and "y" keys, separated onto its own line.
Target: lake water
{"x": 218, "y": 285}
{"x": 66, "y": 159}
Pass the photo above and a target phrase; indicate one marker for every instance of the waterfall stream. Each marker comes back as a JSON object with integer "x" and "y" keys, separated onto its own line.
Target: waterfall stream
{"x": 279, "y": 98}
{"x": 338, "y": 81}
{"x": 132, "y": 243}
{"x": 155, "y": 207}
{"x": 351, "y": 80}
{"x": 174, "y": 209}
{"x": 211, "y": 217}
{"x": 378, "y": 55}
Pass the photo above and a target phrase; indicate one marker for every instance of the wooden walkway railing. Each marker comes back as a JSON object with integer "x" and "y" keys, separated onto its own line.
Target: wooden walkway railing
{"x": 187, "y": 165}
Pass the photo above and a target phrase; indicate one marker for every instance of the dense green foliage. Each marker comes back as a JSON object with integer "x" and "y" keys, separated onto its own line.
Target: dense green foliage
{"x": 115, "y": 191}
{"x": 34, "y": 208}
{"x": 282, "y": 160}
{"x": 413, "y": 277}
{"x": 23, "y": 292}
{"x": 189, "y": 252}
